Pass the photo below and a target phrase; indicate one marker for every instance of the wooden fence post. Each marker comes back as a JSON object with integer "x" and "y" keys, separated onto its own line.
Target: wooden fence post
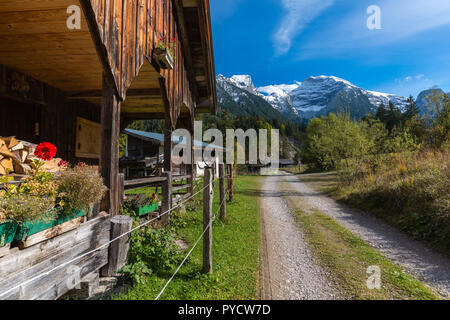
{"x": 230, "y": 183}
{"x": 121, "y": 188}
{"x": 118, "y": 250}
{"x": 223, "y": 202}
{"x": 167, "y": 197}
{"x": 208, "y": 196}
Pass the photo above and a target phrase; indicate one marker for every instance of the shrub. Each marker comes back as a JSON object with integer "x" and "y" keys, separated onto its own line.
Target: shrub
{"x": 151, "y": 251}
{"x": 25, "y": 207}
{"x": 79, "y": 188}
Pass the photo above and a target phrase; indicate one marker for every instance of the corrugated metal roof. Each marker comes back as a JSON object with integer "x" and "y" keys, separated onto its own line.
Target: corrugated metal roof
{"x": 159, "y": 138}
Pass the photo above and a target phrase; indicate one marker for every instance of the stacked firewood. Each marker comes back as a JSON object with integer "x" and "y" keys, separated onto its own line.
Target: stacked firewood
{"x": 17, "y": 157}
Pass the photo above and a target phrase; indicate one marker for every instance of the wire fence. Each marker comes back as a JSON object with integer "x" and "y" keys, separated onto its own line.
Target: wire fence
{"x": 105, "y": 245}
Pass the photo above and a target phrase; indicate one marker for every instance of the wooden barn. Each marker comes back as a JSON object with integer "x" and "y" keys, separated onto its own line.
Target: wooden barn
{"x": 76, "y": 72}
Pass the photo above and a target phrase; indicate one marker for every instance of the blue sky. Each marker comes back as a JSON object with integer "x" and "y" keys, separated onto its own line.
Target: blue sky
{"x": 282, "y": 41}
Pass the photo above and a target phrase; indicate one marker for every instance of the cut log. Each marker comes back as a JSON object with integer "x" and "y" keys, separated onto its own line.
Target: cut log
{"x": 11, "y": 142}
{"x": 18, "y": 146}
{"x": 4, "y": 151}
{"x": 7, "y": 164}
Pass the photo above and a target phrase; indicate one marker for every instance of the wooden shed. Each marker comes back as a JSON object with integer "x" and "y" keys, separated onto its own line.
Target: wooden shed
{"x": 79, "y": 87}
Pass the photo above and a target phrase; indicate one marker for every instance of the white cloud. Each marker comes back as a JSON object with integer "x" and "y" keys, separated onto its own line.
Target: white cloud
{"x": 410, "y": 85}
{"x": 400, "y": 19}
{"x": 299, "y": 13}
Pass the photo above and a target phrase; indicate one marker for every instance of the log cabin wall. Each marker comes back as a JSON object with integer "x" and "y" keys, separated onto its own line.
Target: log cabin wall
{"x": 40, "y": 112}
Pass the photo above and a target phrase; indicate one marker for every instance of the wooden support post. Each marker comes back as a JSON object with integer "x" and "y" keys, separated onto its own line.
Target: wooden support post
{"x": 230, "y": 183}
{"x": 109, "y": 158}
{"x": 167, "y": 184}
{"x": 167, "y": 197}
{"x": 223, "y": 206}
{"x": 121, "y": 188}
{"x": 118, "y": 250}
{"x": 208, "y": 196}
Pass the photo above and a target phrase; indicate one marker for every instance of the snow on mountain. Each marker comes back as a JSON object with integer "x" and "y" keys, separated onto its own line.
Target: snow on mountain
{"x": 279, "y": 96}
{"x": 316, "y": 96}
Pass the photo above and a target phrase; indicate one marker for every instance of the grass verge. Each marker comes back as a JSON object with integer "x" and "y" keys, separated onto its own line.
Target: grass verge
{"x": 346, "y": 258}
{"x": 235, "y": 253}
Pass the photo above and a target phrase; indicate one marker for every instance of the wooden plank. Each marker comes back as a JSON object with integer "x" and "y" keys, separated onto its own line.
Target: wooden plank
{"x": 25, "y": 265}
{"x": 50, "y": 233}
{"x": 4, "y": 250}
{"x": 137, "y": 182}
{"x": 181, "y": 187}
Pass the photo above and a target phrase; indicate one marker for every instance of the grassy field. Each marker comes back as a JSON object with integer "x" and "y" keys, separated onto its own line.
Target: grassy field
{"x": 235, "y": 253}
{"x": 408, "y": 191}
{"x": 346, "y": 258}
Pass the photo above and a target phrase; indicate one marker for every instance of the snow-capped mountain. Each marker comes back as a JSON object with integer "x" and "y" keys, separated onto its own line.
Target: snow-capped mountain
{"x": 323, "y": 94}
{"x": 313, "y": 97}
{"x": 239, "y": 96}
{"x": 279, "y": 96}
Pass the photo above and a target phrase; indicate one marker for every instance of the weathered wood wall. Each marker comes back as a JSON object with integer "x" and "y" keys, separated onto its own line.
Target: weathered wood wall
{"x": 129, "y": 31}
{"x": 24, "y": 265}
{"x": 42, "y": 113}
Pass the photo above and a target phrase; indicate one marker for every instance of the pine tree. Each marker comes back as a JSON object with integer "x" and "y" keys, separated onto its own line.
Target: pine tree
{"x": 411, "y": 109}
{"x": 381, "y": 113}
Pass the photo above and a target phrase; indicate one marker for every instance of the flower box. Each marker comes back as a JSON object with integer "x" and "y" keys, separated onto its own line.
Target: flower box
{"x": 142, "y": 211}
{"x": 7, "y": 232}
{"x": 164, "y": 58}
{"x": 30, "y": 228}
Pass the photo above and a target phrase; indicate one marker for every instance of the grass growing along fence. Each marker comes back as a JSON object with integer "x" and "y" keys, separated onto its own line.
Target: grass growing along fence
{"x": 235, "y": 252}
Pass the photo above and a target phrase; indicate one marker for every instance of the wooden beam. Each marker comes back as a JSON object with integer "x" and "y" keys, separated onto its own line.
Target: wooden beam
{"x": 153, "y": 92}
{"x": 109, "y": 158}
{"x": 102, "y": 53}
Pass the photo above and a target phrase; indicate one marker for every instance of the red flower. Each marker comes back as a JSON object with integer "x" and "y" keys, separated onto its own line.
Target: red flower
{"x": 45, "y": 151}
{"x": 63, "y": 163}
{"x": 81, "y": 165}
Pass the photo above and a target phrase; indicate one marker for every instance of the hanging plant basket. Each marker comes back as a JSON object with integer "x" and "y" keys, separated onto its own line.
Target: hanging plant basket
{"x": 164, "y": 58}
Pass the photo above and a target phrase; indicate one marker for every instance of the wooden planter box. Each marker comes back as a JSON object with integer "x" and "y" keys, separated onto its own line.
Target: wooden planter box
{"x": 163, "y": 58}
{"x": 7, "y": 233}
{"x": 142, "y": 211}
{"x": 32, "y": 232}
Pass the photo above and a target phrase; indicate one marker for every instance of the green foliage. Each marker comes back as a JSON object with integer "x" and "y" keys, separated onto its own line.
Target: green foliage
{"x": 78, "y": 188}
{"x": 332, "y": 139}
{"x": 236, "y": 252}
{"x": 337, "y": 141}
{"x": 151, "y": 251}
{"x": 134, "y": 202}
{"x": 23, "y": 207}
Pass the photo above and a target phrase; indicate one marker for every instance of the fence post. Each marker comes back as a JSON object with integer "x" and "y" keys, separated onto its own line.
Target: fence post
{"x": 118, "y": 250}
{"x": 223, "y": 206}
{"x": 167, "y": 197}
{"x": 208, "y": 196}
{"x": 230, "y": 183}
{"x": 121, "y": 189}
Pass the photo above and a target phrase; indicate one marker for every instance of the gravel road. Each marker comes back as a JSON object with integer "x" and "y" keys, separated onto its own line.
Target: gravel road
{"x": 290, "y": 272}
{"x": 415, "y": 258}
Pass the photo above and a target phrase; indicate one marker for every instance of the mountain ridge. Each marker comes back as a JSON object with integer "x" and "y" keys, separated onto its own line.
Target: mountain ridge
{"x": 314, "y": 97}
